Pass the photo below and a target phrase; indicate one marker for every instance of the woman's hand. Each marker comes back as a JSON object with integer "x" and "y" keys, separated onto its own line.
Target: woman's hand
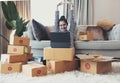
{"x": 65, "y": 2}
{"x": 59, "y": 4}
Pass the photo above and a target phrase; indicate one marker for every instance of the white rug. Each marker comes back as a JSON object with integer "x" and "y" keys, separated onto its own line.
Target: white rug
{"x": 66, "y": 77}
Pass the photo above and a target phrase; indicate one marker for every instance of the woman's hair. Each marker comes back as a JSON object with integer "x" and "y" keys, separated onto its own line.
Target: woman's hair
{"x": 62, "y": 18}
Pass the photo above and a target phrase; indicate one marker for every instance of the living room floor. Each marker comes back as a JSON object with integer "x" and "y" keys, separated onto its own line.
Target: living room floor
{"x": 66, "y": 77}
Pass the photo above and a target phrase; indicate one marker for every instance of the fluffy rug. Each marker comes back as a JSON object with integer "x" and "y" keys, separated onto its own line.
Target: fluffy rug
{"x": 66, "y": 77}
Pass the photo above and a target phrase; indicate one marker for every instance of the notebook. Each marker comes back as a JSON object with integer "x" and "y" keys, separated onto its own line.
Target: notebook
{"x": 60, "y": 39}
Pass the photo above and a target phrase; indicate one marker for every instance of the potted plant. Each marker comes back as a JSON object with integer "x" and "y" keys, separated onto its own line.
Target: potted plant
{"x": 13, "y": 19}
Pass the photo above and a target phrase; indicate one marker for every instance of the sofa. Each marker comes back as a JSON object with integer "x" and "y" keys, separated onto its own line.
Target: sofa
{"x": 100, "y": 46}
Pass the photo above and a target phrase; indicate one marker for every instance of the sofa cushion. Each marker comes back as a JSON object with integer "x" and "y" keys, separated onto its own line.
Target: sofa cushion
{"x": 112, "y": 44}
{"x": 49, "y": 29}
{"x": 39, "y": 44}
{"x": 30, "y": 32}
{"x": 114, "y": 34}
{"x": 39, "y": 31}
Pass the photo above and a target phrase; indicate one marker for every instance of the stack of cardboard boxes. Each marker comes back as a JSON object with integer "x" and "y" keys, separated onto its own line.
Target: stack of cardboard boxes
{"x": 57, "y": 60}
{"x": 17, "y": 54}
{"x": 16, "y": 59}
{"x": 60, "y": 59}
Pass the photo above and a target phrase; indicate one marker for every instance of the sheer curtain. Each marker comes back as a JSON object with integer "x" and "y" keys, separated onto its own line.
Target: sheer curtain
{"x": 24, "y": 11}
{"x": 83, "y": 11}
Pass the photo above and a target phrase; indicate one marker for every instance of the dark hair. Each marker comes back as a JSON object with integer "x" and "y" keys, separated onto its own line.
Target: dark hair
{"x": 62, "y": 18}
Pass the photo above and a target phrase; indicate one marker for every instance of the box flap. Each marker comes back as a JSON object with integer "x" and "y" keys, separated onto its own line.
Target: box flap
{"x": 84, "y": 56}
{"x": 96, "y": 57}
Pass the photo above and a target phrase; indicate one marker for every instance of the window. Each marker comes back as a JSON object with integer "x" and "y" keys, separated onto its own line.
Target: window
{"x": 44, "y": 11}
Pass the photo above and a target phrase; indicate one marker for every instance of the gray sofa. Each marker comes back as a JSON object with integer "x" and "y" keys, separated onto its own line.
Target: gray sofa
{"x": 105, "y": 47}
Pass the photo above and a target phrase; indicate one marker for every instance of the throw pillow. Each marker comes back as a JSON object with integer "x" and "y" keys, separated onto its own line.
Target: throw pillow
{"x": 97, "y": 32}
{"x": 114, "y": 34}
{"x": 30, "y": 32}
{"x": 39, "y": 31}
{"x": 105, "y": 24}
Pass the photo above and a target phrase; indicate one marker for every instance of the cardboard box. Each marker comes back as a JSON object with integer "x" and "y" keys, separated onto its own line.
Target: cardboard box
{"x": 34, "y": 69}
{"x": 10, "y": 67}
{"x": 95, "y": 67}
{"x": 13, "y": 58}
{"x": 83, "y": 37}
{"x": 29, "y": 56}
{"x": 56, "y": 66}
{"x": 59, "y": 53}
{"x": 88, "y": 36}
{"x": 95, "y": 64}
{"x": 18, "y": 49}
{"x": 29, "y": 49}
{"x": 23, "y": 41}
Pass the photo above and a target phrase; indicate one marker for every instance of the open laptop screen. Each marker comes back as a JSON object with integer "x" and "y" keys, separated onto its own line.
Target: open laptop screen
{"x": 60, "y": 39}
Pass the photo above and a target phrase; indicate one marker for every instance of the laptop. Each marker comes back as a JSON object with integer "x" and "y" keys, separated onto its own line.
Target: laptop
{"x": 60, "y": 39}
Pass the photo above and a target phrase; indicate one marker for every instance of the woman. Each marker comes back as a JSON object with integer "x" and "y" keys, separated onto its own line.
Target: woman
{"x": 62, "y": 24}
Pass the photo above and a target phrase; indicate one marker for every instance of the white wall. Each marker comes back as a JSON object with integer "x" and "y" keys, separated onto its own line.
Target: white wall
{"x": 44, "y": 11}
{"x": 109, "y": 9}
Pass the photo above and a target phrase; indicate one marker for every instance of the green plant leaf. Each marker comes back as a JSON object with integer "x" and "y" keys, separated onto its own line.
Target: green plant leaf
{"x": 13, "y": 10}
{"x": 8, "y": 26}
{"x": 5, "y": 10}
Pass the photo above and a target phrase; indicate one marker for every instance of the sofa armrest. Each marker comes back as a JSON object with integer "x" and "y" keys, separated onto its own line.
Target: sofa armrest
{"x": 29, "y": 32}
